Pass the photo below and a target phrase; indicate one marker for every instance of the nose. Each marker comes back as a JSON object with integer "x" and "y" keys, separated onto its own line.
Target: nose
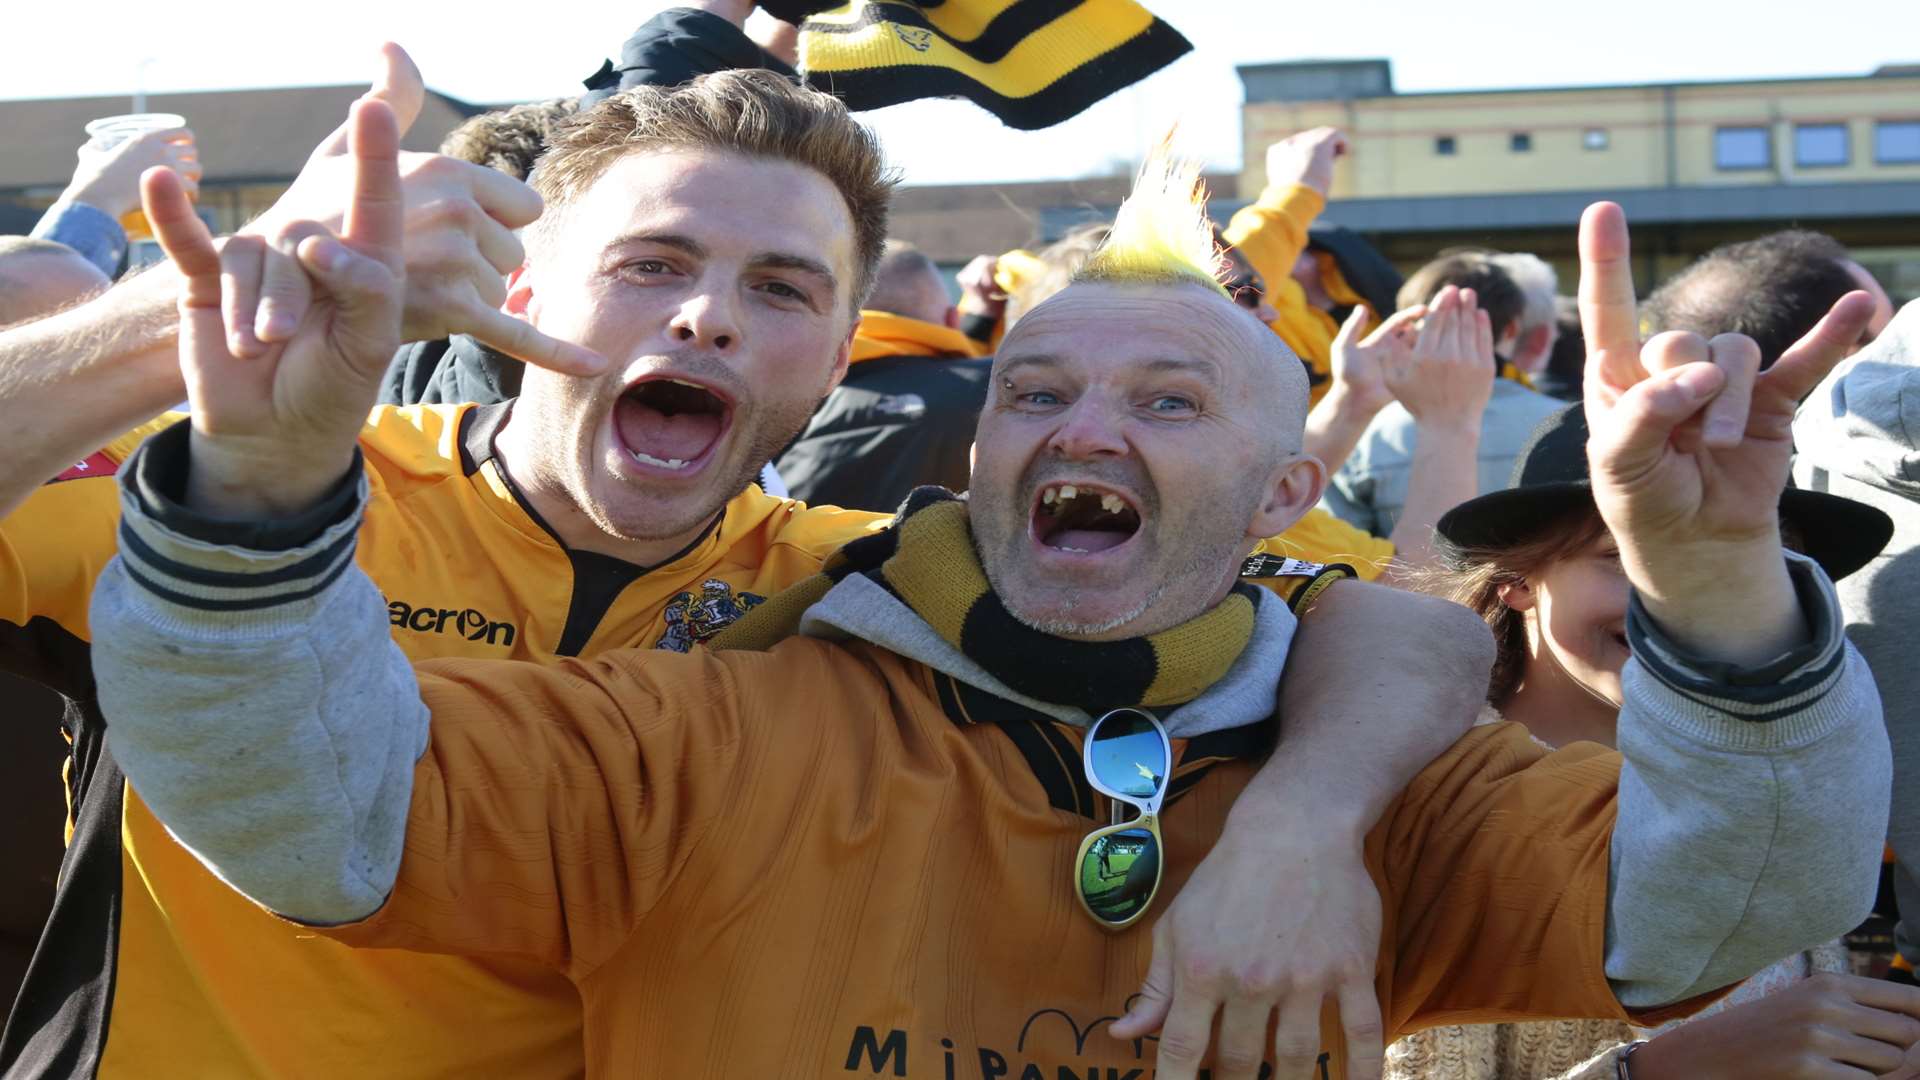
{"x": 708, "y": 319}
{"x": 1088, "y": 429}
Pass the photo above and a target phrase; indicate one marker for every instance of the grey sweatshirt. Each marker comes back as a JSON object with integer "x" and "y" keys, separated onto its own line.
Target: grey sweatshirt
{"x": 259, "y": 706}
{"x": 1858, "y": 435}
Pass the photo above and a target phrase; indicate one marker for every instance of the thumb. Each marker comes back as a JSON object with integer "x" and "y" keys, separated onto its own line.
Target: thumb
{"x": 1148, "y": 1009}
{"x": 399, "y": 84}
{"x": 1634, "y": 435}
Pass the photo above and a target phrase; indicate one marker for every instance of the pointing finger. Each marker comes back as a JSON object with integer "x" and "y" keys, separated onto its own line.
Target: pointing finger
{"x": 376, "y": 216}
{"x": 182, "y": 235}
{"x": 1607, "y": 313}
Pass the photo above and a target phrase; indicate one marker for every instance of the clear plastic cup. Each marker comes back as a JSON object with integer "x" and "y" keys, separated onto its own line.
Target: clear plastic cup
{"x": 110, "y": 131}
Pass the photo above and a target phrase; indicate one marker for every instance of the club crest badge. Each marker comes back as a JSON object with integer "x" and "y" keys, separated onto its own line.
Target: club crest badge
{"x": 693, "y": 618}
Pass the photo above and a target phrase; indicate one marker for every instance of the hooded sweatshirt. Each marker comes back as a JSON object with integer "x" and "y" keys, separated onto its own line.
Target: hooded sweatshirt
{"x": 1858, "y": 435}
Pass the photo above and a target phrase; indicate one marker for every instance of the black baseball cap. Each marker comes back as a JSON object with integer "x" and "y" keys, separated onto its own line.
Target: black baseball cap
{"x": 1551, "y": 478}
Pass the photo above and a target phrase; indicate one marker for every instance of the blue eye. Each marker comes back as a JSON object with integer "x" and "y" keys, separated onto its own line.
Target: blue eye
{"x": 1040, "y": 397}
{"x": 1172, "y": 403}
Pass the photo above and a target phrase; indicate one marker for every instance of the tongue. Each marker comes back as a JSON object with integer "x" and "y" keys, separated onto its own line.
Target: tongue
{"x": 648, "y": 431}
{"x": 1087, "y": 539}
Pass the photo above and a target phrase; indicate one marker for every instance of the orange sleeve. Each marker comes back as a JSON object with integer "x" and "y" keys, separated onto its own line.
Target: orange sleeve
{"x": 1271, "y": 232}
{"x": 1495, "y": 866}
{"x": 555, "y": 803}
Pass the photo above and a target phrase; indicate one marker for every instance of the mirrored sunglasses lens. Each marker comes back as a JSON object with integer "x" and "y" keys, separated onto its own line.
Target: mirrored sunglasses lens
{"x": 1118, "y": 874}
{"x": 1127, "y": 755}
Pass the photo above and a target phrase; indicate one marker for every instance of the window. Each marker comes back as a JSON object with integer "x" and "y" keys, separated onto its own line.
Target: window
{"x": 1444, "y": 145}
{"x": 1820, "y": 145}
{"x": 1520, "y": 142}
{"x": 1742, "y": 148}
{"x": 1595, "y": 139}
{"x": 1897, "y": 142}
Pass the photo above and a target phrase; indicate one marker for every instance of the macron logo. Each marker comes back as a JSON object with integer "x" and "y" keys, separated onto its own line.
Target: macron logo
{"x": 469, "y": 624}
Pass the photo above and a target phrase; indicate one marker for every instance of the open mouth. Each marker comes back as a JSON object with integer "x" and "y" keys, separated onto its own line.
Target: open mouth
{"x": 671, "y": 424}
{"x": 1082, "y": 519}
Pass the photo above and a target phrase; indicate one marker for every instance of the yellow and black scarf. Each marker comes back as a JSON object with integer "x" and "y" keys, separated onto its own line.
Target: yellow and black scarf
{"x": 926, "y": 558}
{"x": 1032, "y": 63}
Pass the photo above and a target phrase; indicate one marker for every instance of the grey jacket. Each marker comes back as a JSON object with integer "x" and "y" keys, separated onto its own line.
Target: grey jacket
{"x": 1369, "y": 490}
{"x": 257, "y": 702}
{"x": 1858, "y": 435}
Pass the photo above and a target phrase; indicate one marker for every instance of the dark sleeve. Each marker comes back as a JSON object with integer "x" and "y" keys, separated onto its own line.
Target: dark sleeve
{"x": 979, "y": 327}
{"x": 410, "y": 375}
{"x": 453, "y": 371}
{"x": 675, "y": 46}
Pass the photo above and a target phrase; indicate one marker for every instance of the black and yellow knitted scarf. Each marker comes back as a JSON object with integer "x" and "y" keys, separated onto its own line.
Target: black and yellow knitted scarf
{"x": 1032, "y": 63}
{"x": 927, "y": 559}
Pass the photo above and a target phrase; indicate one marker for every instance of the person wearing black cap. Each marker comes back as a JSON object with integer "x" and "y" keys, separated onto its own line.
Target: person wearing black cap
{"x": 1561, "y": 568}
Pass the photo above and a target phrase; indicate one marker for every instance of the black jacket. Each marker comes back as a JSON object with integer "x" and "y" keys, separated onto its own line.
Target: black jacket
{"x": 897, "y": 422}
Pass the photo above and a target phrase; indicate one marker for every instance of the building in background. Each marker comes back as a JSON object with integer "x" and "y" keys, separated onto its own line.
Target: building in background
{"x": 252, "y": 143}
{"x": 1694, "y": 164}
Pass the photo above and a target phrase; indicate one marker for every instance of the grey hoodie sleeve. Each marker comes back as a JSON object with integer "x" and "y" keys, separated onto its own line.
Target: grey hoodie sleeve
{"x": 255, "y": 700}
{"x": 1858, "y": 435}
{"x": 1752, "y": 807}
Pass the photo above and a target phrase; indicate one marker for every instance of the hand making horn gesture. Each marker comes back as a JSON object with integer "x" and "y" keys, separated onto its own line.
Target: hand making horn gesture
{"x": 1690, "y": 449}
{"x": 273, "y": 431}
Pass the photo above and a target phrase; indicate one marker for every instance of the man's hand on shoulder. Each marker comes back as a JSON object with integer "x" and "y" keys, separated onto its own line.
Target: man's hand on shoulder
{"x": 271, "y": 433}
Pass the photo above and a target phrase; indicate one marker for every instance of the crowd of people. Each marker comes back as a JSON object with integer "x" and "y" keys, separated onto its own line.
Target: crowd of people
{"x": 592, "y": 602}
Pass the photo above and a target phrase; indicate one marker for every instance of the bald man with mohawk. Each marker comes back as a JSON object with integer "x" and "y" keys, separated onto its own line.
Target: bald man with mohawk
{"x": 881, "y": 828}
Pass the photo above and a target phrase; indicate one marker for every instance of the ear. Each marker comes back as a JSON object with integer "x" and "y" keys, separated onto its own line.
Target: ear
{"x": 1294, "y": 488}
{"x": 1519, "y": 595}
{"x": 519, "y": 301}
{"x": 844, "y": 356}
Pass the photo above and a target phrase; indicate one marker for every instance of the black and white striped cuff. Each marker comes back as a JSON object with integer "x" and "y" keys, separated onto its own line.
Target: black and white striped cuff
{"x": 1784, "y": 686}
{"x": 201, "y": 570}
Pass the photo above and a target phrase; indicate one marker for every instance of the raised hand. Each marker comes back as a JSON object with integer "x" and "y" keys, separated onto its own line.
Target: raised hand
{"x": 109, "y": 179}
{"x": 460, "y": 244}
{"x": 1445, "y": 376}
{"x": 272, "y": 432}
{"x": 1690, "y": 449}
{"x": 1306, "y": 157}
{"x": 1361, "y": 364}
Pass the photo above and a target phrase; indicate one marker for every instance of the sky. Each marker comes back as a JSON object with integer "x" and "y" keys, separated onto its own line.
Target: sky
{"x": 495, "y": 52}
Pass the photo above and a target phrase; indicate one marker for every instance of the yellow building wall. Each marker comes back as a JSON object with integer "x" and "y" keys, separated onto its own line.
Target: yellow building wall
{"x": 1393, "y": 137}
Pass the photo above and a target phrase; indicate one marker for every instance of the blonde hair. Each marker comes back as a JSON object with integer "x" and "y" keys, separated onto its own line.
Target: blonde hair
{"x": 1162, "y": 233}
{"x": 754, "y": 113}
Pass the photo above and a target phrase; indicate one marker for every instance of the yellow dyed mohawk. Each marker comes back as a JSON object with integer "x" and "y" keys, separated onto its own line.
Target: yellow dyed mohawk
{"x": 1162, "y": 233}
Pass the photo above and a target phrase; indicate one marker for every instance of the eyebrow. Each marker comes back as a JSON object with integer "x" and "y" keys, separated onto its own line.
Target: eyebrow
{"x": 769, "y": 260}
{"x": 1205, "y": 368}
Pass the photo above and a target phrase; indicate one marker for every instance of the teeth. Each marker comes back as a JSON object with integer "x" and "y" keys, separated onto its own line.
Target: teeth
{"x": 670, "y": 463}
{"x": 1068, "y": 491}
{"x": 683, "y": 382}
{"x": 1112, "y": 504}
{"x": 1047, "y": 496}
